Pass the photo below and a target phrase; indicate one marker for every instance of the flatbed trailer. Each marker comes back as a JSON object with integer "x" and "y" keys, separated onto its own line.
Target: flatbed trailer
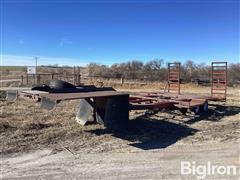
{"x": 107, "y": 106}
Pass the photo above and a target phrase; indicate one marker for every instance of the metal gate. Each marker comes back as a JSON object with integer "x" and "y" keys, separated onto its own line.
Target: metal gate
{"x": 174, "y": 77}
{"x": 219, "y": 80}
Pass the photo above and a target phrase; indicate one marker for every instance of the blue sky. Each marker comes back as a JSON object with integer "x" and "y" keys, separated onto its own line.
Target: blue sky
{"x": 78, "y": 32}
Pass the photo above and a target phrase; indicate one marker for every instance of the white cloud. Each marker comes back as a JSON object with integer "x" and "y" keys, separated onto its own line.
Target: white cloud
{"x": 14, "y": 60}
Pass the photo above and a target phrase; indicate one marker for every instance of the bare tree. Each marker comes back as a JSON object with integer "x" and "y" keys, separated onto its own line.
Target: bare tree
{"x": 155, "y": 70}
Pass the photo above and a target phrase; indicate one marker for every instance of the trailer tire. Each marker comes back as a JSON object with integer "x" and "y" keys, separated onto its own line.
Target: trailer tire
{"x": 41, "y": 87}
{"x": 59, "y": 84}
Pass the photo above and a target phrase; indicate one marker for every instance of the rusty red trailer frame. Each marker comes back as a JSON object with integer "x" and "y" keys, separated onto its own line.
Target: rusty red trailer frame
{"x": 184, "y": 101}
{"x": 167, "y": 100}
{"x": 173, "y": 81}
{"x": 144, "y": 102}
{"x": 109, "y": 104}
{"x": 219, "y": 80}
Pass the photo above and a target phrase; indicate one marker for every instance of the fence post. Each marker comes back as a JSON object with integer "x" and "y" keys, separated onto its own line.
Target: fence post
{"x": 122, "y": 80}
{"x": 52, "y": 76}
{"x": 27, "y": 79}
{"x": 74, "y": 75}
{"x": 78, "y": 75}
{"x": 21, "y": 79}
{"x": 38, "y": 79}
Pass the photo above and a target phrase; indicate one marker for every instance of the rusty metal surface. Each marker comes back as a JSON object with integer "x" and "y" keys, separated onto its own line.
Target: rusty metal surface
{"x": 173, "y": 96}
{"x": 191, "y": 104}
{"x": 219, "y": 80}
{"x": 174, "y": 77}
{"x": 33, "y": 95}
{"x": 81, "y": 95}
{"x": 166, "y": 100}
{"x": 144, "y": 102}
{"x": 153, "y": 105}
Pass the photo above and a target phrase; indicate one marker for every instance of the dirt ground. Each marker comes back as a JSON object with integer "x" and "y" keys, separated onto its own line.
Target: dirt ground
{"x": 41, "y": 144}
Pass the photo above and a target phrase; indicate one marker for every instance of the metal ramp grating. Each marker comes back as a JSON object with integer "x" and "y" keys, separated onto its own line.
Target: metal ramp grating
{"x": 174, "y": 77}
{"x": 219, "y": 80}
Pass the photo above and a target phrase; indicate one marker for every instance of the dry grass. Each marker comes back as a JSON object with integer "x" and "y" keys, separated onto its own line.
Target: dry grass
{"x": 24, "y": 126}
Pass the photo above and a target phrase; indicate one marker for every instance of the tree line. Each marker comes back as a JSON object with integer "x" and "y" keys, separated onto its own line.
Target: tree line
{"x": 156, "y": 70}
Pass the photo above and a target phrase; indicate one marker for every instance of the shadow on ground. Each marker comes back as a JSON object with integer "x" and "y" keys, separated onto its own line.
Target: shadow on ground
{"x": 147, "y": 133}
{"x": 216, "y": 113}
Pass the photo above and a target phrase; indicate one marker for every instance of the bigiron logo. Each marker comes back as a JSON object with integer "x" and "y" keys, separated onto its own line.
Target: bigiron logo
{"x": 201, "y": 171}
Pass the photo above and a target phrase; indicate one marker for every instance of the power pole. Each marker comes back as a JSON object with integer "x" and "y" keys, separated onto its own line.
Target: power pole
{"x": 36, "y": 59}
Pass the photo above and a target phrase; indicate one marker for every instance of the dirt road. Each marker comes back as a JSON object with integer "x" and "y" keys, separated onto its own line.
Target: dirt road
{"x": 158, "y": 164}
